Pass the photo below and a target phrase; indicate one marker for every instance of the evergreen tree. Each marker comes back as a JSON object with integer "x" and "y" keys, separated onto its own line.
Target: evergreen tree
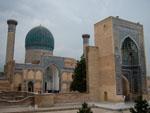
{"x": 141, "y": 106}
{"x": 85, "y": 109}
{"x": 79, "y": 76}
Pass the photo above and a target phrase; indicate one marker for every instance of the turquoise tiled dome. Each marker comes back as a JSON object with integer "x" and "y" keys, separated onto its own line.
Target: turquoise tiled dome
{"x": 39, "y": 38}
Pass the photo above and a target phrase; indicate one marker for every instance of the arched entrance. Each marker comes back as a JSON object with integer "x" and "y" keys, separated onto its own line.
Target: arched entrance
{"x": 131, "y": 79}
{"x": 52, "y": 79}
{"x": 30, "y": 86}
{"x": 105, "y": 96}
{"x": 125, "y": 88}
{"x": 19, "y": 87}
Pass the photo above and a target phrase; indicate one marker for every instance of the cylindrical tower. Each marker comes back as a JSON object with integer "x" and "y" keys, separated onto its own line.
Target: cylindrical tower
{"x": 85, "y": 42}
{"x": 10, "y": 40}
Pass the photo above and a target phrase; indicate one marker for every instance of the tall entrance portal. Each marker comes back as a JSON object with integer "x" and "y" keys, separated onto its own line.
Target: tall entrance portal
{"x": 131, "y": 79}
{"x": 51, "y": 82}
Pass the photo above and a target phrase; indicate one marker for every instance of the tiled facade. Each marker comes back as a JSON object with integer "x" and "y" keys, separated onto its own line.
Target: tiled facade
{"x": 106, "y": 72}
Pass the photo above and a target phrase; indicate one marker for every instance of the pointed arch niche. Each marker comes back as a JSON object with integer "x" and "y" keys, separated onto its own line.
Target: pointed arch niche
{"x": 52, "y": 79}
{"x": 131, "y": 79}
{"x": 129, "y": 52}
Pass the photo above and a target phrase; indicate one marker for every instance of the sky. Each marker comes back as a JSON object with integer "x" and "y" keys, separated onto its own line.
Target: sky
{"x": 67, "y": 20}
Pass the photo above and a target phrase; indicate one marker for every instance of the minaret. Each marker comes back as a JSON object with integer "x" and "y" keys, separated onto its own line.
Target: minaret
{"x": 10, "y": 40}
{"x": 85, "y": 42}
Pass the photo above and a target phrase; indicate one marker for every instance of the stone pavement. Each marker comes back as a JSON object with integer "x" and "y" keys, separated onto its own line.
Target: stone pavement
{"x": 69, "y": 108}
{"x": 113, "y": 106}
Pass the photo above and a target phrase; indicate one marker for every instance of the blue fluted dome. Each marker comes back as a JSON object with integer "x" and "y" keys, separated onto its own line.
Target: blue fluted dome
{"x": 39, "y": 38}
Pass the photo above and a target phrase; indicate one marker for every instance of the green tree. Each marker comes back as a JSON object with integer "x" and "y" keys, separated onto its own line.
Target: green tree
{"x": 85, "y": 109}
{"x": 141, "y": 106}
{"x": 79, "y": 76}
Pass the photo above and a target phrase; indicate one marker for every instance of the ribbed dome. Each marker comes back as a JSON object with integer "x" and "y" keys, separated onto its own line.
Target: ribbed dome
{"x": 39, "y": 38}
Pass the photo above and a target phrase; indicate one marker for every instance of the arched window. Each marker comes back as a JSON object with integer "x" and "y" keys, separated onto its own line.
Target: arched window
{"x": 129, "y": 52}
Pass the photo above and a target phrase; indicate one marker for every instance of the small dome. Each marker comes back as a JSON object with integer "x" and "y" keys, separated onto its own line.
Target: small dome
{"x": 39, "y": 38}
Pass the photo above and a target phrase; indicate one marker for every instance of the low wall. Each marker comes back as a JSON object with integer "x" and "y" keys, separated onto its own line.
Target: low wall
{"x": 46, "y": 100}
{"x": 71, "y": 97}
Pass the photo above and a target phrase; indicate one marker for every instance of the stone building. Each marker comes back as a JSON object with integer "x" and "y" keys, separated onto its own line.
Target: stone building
{"x": 42, "y": 71}
{"x": 115, "y": 65}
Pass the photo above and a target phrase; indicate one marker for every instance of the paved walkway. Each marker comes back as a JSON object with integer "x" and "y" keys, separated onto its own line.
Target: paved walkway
{"x": 114, "y": 106}
{"x": 66, "y": 107}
